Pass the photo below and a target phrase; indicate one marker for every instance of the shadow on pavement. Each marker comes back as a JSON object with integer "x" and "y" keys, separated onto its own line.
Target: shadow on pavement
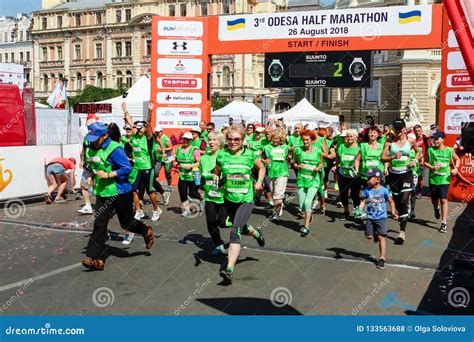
{"x": 451, "y": 293}
{"x": 248, "y": 306}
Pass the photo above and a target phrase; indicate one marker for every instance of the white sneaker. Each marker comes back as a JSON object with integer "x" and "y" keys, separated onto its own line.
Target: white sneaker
{"x": 156, "y": 214}
{"x": 325, "y": 194}
{"x": 128, "y": 238}
{"x": 166, "y": 197}
{"x": 186, "y": 213}
{"x": 139, "y": 215}
{"x": 86, "y": 210}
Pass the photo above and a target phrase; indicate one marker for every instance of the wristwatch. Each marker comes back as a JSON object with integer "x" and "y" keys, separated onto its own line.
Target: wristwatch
{"x": 275, "y": 70}
{"x": 357, "y": 69}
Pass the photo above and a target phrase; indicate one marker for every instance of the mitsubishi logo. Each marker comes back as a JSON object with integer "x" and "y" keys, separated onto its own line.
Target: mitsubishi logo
{"x": 183, "y": 46}
{"x": 457, "y": 98}
{"x": 179, "y": 64}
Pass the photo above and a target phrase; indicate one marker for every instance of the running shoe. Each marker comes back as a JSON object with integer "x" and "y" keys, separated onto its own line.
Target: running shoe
{"x": 322, "y": 211}
{"x": 345, "y": 216}
{"x": 401, "y": 237}
{"x": 300, "y": 214}
{"x": 412, "y": 215}
{"x": 186, "y": 213}
{"x": 166, "y": 197}
{"x": 139, "y": 214}
{"x": 261, "y": 237}
{"x": 357, "y": 213}
{"x": 443, "y": 228}
{"x": 128, "y": 238}
{"x": 59, "y": 200}
{"x": 156, "y": 214}
{"x": 275, "y": 217}
{"x": 227, "y": 275}
{"x": 437, "y": 213}
{"x": 48, "y": 199}
{"x": 269, "y": 205}
{"x": 304, "y": 231}
{"x": 380, "y": 264}
{"x": 339, "y": 204}
{"x": 86, "y": 210}
{"x": 218, "y": 251}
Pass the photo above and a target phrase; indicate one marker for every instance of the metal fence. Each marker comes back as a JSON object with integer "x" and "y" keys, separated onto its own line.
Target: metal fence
{"x": 54, "y": 127}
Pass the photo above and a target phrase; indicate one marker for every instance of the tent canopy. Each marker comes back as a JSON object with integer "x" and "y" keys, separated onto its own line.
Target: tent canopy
{"x": 238, "y": 111}
{"x": 304, "y": 112}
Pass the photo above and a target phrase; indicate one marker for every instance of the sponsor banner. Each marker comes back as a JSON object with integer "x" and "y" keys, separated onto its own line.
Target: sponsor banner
{"x": 178, "y": 98}
{"x": 180, "y": 47}
{"x": 380, "y": 21}
{"x": 456, "y": 61}
{"x": 180, "y": 116}
{"x": 179, "y": 83}
{"x": 455, "y": 118}
{"x": 186, "y": 66}
{"x": 172, "y": 28}
{"x": 459, "y": 80}
{"x": 460, "y": 98}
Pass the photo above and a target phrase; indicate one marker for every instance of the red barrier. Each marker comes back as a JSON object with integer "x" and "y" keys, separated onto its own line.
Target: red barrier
{"x": 12, "y": 116}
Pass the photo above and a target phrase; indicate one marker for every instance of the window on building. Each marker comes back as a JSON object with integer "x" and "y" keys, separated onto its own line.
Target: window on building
{"x": 12, "y": 55}
{"x": 27, "y": 56}
{"x": 119, "y": 79}
{"x": 118, "y": 49}
{"x": 118, "y": 16}
{"x": 172, "y": 10}
{"x": 100, "y": 80}
{"x": 128, "y": 14}
{"x": 6, "y": 37}
{"x": 6, "y": 58}
{"x": 77, "y": 51}
{"x": 204, "y": 8}
{"x": 44, "y": 23}
{"x": 226, "y": 77}
{"x": 260, "y": 81}
{"x": 128, "y": 49}
{"x": 28, "y": 77}
{"x": 324, "y": 95}
{"x": 1, "y": 58}
{"x": 98, "y": 50}
{"x": 60, "y": 53}
{"x": 51, "y": 54}
{"x": 21, "y": 36}
{"x": 60, "y": 21}
{"x": 183, "y": 10}
{"x": 372, "y": 95}
{"x": 340, "y": 94}
{"x": 78, "y": 81}
{"x": 77, "y": 19}
{"x": 28, "y": 35}
{"x": 98, "y": 18}
{"x": 225, "y": 6}
{"x": 128, "y": 78}
{"x": 45, "y": 82}
{"x": 21, "y": 57}
{"x": 148, "y": 47}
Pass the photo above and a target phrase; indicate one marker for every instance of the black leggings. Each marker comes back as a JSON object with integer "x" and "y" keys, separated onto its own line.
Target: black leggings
{"x": 104, "y": 207}
{"x": 186, "y": 188}
{"x": 346, "y": 184}
{"x": 216, "y": 215}
{"x": 400, "y": 186}
{"x": 239, "y": 214}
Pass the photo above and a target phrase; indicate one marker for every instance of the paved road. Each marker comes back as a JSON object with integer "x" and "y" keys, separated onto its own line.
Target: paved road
{"x": 330, "y": 272}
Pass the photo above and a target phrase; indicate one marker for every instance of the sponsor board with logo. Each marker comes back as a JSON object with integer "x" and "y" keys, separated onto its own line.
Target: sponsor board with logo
{"x": 179, "y": 83}
{"x": 177, "y": 116}
{"x": 454, "y": 119}
{"x": 460, "y": 98}
{"x": 179, "y": 98}
{"x": 187, "y": 66}
{"x": 455, "y": 61}
{"x": 172, "y": 28}
{"x": 180, "y": 47}
{"x": 459, "y": 80}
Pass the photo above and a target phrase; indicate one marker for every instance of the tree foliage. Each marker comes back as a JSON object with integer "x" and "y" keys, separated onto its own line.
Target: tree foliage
{"x": 94, "y": 94}
{"x": 218, "y": 103}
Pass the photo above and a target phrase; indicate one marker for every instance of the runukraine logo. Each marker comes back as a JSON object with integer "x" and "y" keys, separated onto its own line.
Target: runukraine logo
{"x": 409, "y": 17}
{"x": 235, "y": 24}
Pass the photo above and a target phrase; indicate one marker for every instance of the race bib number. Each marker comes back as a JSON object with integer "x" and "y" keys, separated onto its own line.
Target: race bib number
{"x": 214, "y": 194}
{"x": 278, "y": 154}
{"x": 137, "y": 149}
{"x": 400, "y": 165}
{"x": 210, "y": 182}
{"x": 183, "y": 169}
{"x": 348, "y": 157}
{"x": 372, "y": 163}
{"x": 441, "y": 168}
{"x": 238, "y": 184}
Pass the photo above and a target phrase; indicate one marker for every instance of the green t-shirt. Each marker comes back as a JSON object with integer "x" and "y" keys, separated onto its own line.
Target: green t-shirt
{"x": 159, "y": 156}
{"x": 347, "y": 157}
{"x": 185, "y": 159}
{"x": 207, "y": 163}
{"x": 295, "y": 141}
{"x": 196, "y": 143}
{"x": 442, "y": 159}
{"x": 124, "y": 140}
{"x": 307, "y": 177}
{"x": 318, "y": 144}
{"x": 141, "y": 153}
{"x": 97, "y": 160}
{"x": 371, "y": 158}
{"x": 256, "y": 146}
{"x": 237, "y": 171}
{"x": 264, "y": 142}
{"x": 278, "y": 166}
{"x": 411, "y": 156}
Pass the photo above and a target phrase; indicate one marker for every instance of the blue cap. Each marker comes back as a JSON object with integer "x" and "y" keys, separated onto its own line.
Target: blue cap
{"x": 96, "y": 130}
{"x": 373, "y": 172}
{"x": 438, "y": 134}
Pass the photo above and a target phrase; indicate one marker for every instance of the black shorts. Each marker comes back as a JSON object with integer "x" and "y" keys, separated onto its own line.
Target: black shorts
{"x": 144, "y": 181}
{"x": 378, "y": 227}
{"x": 439, "y": 191}
{"x": 398, "y": 183}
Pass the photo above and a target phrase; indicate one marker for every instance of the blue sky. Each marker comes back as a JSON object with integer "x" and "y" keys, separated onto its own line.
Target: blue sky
{"x": 13, "y": 7}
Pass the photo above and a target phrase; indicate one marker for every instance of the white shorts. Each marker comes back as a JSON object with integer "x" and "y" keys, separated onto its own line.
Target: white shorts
{"x": 279, "y": 187}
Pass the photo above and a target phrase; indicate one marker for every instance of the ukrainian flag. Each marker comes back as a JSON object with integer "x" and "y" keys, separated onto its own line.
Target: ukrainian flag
{"x": 409, "y": 17}
{"x": 235, "y": 24}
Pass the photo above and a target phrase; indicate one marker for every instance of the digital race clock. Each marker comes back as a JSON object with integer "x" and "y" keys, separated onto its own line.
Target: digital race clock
{"x": 87, "y": 108}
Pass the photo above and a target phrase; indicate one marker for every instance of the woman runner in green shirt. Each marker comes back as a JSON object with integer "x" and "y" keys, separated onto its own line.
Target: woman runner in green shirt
{"x": 234, "y": 166}
{"x": 370, "y": 154}
{"x": 308, "y": 162}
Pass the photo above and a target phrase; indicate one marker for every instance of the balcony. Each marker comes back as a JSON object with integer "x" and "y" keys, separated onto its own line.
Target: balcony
{"x": 122, "y": 60}
{"x": 98, "y": 60}
{"x": 45, "y": 64}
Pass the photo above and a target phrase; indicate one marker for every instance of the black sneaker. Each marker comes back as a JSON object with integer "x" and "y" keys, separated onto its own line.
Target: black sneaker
{"x": 345, "y": 216}
{"x": 380, "y": 264}
{"x": 437, "y": 213}
{"x": 227, "y": 275}
{"x": 304, "y": 231}
{"x": 443, "y": 228}
{"x": 261, "y": 238}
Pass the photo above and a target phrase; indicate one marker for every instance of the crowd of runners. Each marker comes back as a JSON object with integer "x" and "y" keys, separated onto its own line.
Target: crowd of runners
{"x": 225, "y": 173}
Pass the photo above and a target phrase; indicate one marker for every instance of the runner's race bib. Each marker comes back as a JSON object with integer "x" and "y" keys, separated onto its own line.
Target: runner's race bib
{"x": 278, "y": 154}
{"x": 372, "y": 163}
{"x": 214, "y": 194}
{"x": 183, "y": 169}
{"x": 307, "y": 171}
{"x": 441, "y": 168}
{"x": 137, "y": 149}
{"x": 400, "y": 165}
{"x": 238, "y": 184}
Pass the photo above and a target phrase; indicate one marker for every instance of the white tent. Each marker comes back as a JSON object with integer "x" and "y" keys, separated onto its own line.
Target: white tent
{"x": 238, "y": 111}
{"x": 304, "y": 112}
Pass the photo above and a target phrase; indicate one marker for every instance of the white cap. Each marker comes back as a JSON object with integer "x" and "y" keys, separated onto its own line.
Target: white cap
{"x": 225, "y": 125}
{"x": 188, "y": 135}
{"x": 158, "y": 128}
{"x": 343, "y": 133}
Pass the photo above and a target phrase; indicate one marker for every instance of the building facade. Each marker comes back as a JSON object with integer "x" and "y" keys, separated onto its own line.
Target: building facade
{"x": 16, "y": 45}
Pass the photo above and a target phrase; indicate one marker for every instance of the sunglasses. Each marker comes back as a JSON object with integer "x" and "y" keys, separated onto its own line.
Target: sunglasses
{"x": 234, "y": 139}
